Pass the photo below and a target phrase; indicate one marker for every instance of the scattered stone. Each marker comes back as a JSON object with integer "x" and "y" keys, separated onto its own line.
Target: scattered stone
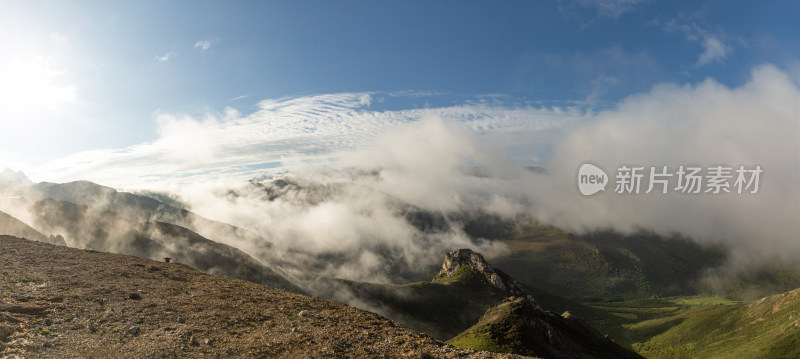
{"x": 181, "y": 319}
{"x": 305, "y": 314}
{"x": 134, "y": 330}
{"x": 134, "y": 296}
{"x": 207, "y": 341}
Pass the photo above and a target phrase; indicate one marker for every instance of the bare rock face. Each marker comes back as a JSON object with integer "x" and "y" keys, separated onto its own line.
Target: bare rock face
{"x": 466, "y": 260}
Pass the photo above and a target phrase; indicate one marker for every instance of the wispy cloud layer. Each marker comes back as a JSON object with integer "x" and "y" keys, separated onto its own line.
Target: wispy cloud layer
{"x": 282, "y": 131}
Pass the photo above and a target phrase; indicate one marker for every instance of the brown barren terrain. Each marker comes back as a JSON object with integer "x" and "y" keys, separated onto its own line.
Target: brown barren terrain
{"x": 59, "y": 302}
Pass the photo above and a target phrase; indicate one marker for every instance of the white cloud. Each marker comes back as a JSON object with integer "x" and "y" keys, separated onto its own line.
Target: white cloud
{"x": 366, "y": 100}
{"x": 714, "y": 43}
{"x": 203, "y": 44}
{"x": 426, "y": 164}
{"x": 715, "y": 50}
{"x": 166, "y": 56}
{"x": 705, "y": 124}
{"x": 422, "y": 155}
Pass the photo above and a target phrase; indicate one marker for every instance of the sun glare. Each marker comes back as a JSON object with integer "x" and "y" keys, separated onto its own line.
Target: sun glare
{"x": 34, "y": 85}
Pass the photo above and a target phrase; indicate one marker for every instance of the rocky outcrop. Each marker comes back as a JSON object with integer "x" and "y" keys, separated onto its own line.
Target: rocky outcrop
{"x": 461, "y": 261}
{"x": 519, "y": 324}
{"x": 57, "y": 240}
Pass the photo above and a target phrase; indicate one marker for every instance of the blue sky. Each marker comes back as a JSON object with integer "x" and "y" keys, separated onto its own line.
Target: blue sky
{"x": 84, "y": 77}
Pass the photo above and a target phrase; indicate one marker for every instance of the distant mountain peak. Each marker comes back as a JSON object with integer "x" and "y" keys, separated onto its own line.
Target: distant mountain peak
{"x": 17, "y": 177}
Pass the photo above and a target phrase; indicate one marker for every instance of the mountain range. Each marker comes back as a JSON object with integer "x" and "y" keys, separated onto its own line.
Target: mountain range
{"x": 552, "y": 294}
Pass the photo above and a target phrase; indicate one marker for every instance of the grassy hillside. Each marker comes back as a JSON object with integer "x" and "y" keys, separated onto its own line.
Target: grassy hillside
{"x": 440, "y": 309}
{"x": 468, "y": 300}
{"x": 445, "y": 306}
{"x": 516, "y": 326}
{"x": 765, "y": 328}
{"x": 606, "y": 266}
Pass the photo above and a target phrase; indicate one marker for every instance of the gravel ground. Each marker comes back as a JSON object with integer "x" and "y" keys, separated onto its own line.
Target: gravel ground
{"x": 58, "y": 302}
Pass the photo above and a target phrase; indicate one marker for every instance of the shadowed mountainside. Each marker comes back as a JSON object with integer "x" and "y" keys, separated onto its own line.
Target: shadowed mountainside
{"x": 104, "y": 230}
{"x": 138, "y": 208}
{"x": 14, "y": 227}
{"x": 459, "y": 296}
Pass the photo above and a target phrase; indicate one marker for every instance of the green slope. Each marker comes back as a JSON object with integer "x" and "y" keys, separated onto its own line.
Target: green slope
{"x": 516, "y": 326}
{"x": 440, "y": 309}
{"x": 765, "y": 328}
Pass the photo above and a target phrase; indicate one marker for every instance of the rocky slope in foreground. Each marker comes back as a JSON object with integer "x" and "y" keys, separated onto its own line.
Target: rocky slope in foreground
{"x": 58, "y": 302}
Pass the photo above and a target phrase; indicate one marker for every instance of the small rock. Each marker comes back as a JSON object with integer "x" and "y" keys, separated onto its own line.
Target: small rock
{"x": 134, "y": 296}
{"x": 228, "y": 351}
{"x": 181, "y": 319}
{"x": 134, "y": 330}
{"x": 304, "y": 314}
{"x": 207, "y": 341}
{"x": 193, "y": 341}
